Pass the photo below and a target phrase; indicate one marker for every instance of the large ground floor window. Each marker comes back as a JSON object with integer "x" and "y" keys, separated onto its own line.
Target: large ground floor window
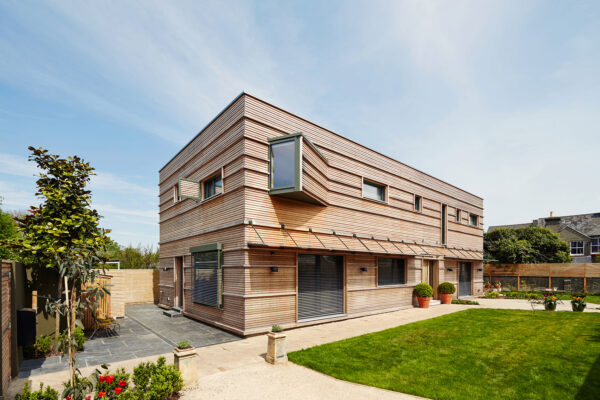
{"x": 207, "y": 275}
{"x": 391, "y": 271}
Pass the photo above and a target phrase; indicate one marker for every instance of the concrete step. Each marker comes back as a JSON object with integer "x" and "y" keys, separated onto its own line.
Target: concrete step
{"x": 177, "y": 309}
{"x": 435, "y": 302}
{"x": 172, "y": 313}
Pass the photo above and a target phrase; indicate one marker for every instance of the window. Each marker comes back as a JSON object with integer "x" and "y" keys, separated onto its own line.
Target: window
{"x": 418, "y": 201}
{"x": 458, "y": 215}
{"x": 444, "y": 222}
{"x": 596, "y": 246}
{"x": 577, "y": 248}
{"x": 391, "y": 271}
{"x": 373, "y": 191}
{"x": 473, "y": 220}
{"x": 213, "y": 186}
{"x": 283, "y": 164}
{"x": 176, "y": 196}
{"x": 208, "y": 275}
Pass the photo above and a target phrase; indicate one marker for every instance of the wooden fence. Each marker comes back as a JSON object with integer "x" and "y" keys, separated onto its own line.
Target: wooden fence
{"x": 584, "y": 277}
{"x": 103, "y": 308}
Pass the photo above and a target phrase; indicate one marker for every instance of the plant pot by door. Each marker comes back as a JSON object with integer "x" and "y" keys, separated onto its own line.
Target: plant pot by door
{"x": 578, "y": 307}
{"x": 424, "y": 302}
{"x": 446, "y": 298}
{"x": 550, "y": 306}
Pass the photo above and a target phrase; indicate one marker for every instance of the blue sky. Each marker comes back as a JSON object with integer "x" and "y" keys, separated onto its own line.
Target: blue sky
{"x": 499, "y": 98}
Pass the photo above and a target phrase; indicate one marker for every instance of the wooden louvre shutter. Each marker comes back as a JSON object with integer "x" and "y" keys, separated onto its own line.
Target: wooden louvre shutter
{"x": 189, "y": 189}
{"x": 208, "y": 279}
{"x": 320, "y": 286}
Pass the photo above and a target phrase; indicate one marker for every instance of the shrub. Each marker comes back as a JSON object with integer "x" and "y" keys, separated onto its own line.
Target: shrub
{"x": 184, "y": 344}
{"x": 446, "y": 288}
{"x": 78, "y": 337}
{"x": 112, "y": 385}
{"x": 43, "y": 345}
{"x": 28, "y": 394}
{"x": 276, "y": 328}
{"x": 492, "y": 295}
{"x": 156, "y": 381}
{"x": 470, "y": 302}
{"x": 423, "y": 290}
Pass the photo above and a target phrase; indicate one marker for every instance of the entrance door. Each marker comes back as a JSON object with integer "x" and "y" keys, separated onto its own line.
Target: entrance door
{"x": 179, "y": 281}
{"x": 464, "y": 279}
{"x": 430, "y": 275}
{"x": 320, "y": 286}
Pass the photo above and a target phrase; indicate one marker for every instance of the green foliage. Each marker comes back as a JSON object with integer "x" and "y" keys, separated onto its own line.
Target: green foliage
{"x": 184, "y": 344}
{"x": 470, "y": 302}
{"x": 423, "y": 290}
{"x": 529, "y": 245}
{"x": 8, "y": 232}
{"x": 276, "y": 328}
{"x": 138, "y": 257}
{"x": 78, "y": 338}
{"x": 28, "y": 394}
{"x": 522, "y": 295}
{"x": 491, "y": 295}
{"x": 112, "y": 386}
{"x": 446, "y": 288}
{"x": 43, "y": 345}
{"x": 156, "y": 381}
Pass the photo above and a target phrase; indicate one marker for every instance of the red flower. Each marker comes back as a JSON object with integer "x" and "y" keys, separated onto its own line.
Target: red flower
{"x": 88, "y": 397}
{"x": 110, "y": 378}
{"x": 122, "y": 383}
{"x": 68, "y": 398}
{"x": 101, "y": 379}
{"x": 101, "y": 394}
{"x": 118, "y": 390}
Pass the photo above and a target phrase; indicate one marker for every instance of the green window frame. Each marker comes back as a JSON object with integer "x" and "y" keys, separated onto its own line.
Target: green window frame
{"x": 374, "y": 191}
{"x": 473, "y": 220}
{"x": 391, "y": 271}
{"x": 293, "y": 183}
{"x": 207, "y": 275}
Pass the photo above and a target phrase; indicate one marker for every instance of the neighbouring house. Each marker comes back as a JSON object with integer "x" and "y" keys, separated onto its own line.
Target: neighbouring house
{"x": 267, "y": 218}
{"x": 581, "y": 231}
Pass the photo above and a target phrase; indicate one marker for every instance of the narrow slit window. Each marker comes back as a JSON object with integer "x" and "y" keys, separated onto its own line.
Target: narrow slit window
{"x": 213, "y": 186}
{"x": 444, "y": 223}
{"x": 473, "y": 220}
{"x": 458, "y": 215}
{"x": 373, "y": 191}
{"x": 176, "y": 196}
{"x": 418, "y": 201}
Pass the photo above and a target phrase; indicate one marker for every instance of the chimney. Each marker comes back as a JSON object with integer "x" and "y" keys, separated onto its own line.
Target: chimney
{"x": 551, "y": 214}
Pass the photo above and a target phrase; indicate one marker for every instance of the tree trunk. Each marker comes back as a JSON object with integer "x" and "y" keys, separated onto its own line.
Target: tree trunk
{"x": 71, "y": 333}
{"x": 57, "y": 313}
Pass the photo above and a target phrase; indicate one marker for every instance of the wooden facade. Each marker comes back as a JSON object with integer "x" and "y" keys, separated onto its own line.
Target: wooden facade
{"x": 262, "y": 231}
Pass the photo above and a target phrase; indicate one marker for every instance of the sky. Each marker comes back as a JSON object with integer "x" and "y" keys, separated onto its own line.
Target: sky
{"x": 500, "y": 98}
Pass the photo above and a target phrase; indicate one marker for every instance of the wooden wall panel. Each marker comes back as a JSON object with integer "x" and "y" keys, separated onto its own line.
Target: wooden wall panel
{"x": 361, "y": 301}
{"x": 262, "y": 313}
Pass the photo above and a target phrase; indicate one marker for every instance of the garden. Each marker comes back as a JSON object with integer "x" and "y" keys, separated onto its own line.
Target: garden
{"x": 473, "y": 354}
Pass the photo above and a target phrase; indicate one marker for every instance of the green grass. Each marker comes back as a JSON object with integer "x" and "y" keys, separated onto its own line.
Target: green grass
{"x": 473, "y": 354}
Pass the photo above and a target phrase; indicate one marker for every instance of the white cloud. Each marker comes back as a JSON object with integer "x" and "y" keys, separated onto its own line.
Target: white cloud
{"x": 11, "y": 164}
{"x": 110, "y": 209}
{"x": 112, "y": 183}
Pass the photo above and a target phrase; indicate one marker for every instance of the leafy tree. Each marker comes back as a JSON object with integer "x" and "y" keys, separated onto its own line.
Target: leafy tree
{"x": 8, "y": 231}
{"x": 529, "y": 245}
{"x": 63, "y": 233}
{"x": 138, "y": 257}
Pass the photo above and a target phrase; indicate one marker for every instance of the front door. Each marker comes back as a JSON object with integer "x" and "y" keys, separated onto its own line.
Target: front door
{"x": 464, "y": 279}
{"x": 320, "y": 286}
{"x": 430, "y": 275}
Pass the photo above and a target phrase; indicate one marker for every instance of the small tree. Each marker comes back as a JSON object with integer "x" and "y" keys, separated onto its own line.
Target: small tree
{"x": 63, "y": 233}
{"x": 8, "y": 231}
{"x": 529, "y": 245}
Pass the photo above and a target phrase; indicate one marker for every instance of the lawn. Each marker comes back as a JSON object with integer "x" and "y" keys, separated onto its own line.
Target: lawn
{"x": 473, "y": 354}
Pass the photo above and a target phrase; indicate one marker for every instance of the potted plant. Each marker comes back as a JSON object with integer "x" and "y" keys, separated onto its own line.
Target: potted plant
{"x": 578, "y": 303}
{"x": 185, "y": 361}
{"x": 446, "y": 290}
{"x": 497, "y": 283}
{"x": 423, "y": 292}
{"x": 276, "y": 346}
{"x": 550, "y": 303}
{"x": 487, "y": 285}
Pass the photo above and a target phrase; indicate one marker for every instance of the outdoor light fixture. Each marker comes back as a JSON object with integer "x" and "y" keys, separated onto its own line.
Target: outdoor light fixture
{"x": 165, "y": 269}
{"x": 363, "y": 269}
{"x": 480, "y": 269}
{"x": 449, "y": 269}
{"x": 274, "y": 269}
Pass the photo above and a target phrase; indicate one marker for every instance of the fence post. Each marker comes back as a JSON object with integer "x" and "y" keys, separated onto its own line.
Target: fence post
{"x": 549, "y": 277}
{"x": 518, "y": 271}
{"x": 584, "y": 278}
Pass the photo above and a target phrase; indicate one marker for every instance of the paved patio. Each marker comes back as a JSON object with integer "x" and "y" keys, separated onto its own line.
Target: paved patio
{"x": 144, "y": 332}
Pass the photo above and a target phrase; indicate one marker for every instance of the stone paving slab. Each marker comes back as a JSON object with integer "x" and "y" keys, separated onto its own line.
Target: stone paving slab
{"x": 144, "y": 332}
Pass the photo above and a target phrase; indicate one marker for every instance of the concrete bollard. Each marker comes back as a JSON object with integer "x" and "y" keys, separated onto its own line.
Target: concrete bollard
{"x": 276, "y": 348}
{"x": 186, "y": 363}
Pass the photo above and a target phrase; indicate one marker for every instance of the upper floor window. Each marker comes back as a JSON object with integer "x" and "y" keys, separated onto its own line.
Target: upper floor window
{"x": 596, "y": 246}
{"x": 373, "y": 191}
{"x": 176, "y": 196}
{"x": 391, "y": 271}
{"x": 458, "y": 215}
{"x": 283, "y": 163}
{"x": 213, "y": 186}
{"x": 577, "y": 248}
{"x": 473, "y": 220}
{"x": 444, "y": 223}
{"x": 418, "y": 201}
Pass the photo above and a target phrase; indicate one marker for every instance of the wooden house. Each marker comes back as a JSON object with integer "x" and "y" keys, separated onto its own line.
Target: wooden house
{"x": 267, "y": 218}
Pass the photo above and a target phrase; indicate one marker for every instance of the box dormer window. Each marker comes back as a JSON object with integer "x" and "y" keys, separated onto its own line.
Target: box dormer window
{"x": 284, "y": 164}
{"x": 213, "y": 186}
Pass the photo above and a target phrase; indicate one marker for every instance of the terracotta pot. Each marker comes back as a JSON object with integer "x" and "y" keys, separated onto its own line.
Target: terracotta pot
{"x": 497, "y": 286}
{"x": 424, "y": 302}
{"x": 446, "y": 298}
